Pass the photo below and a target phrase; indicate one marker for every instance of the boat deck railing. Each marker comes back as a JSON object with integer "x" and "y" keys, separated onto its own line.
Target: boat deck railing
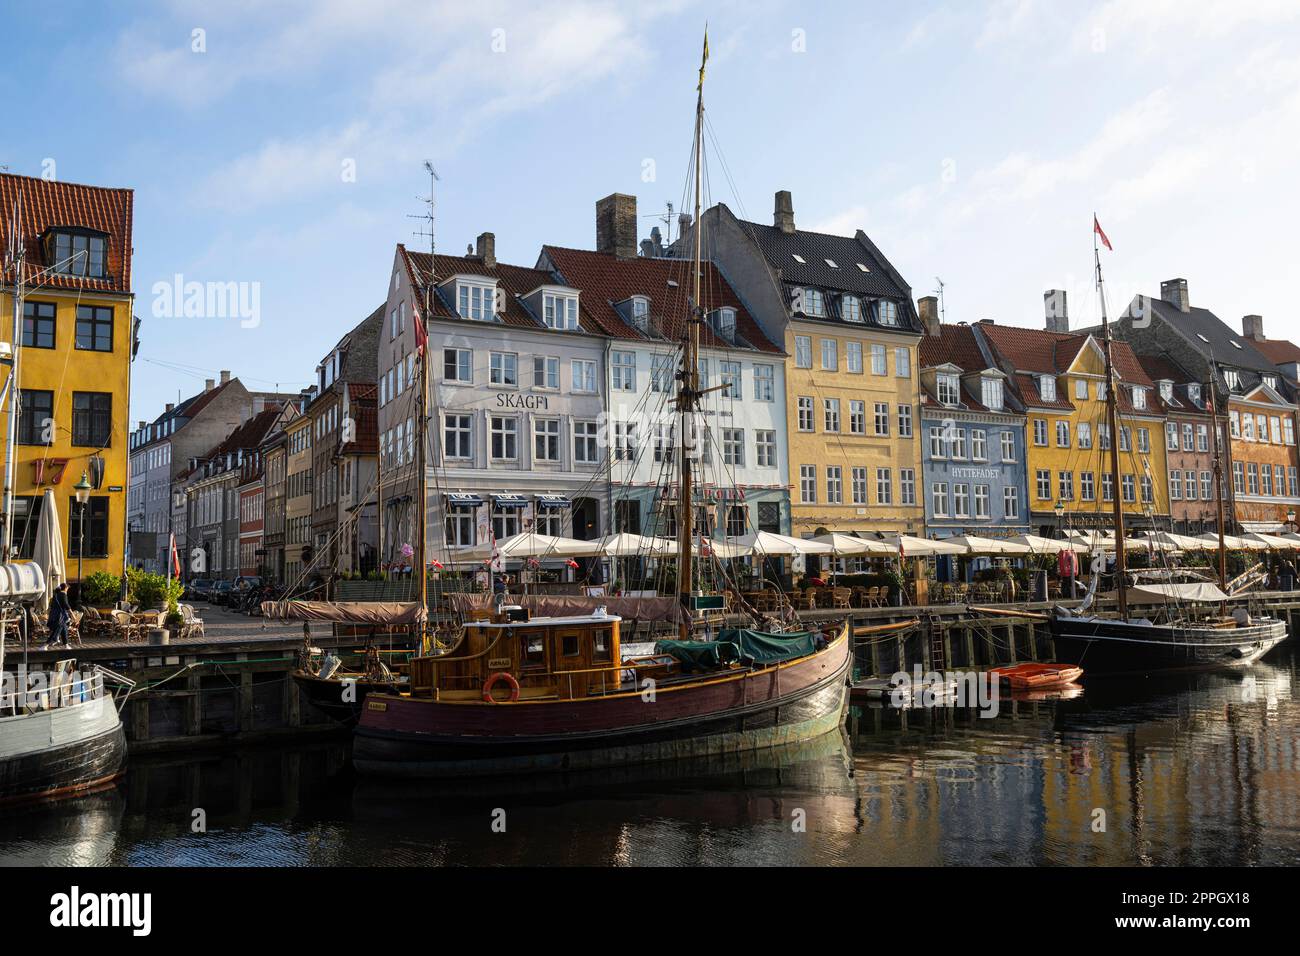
{"x": 44, "y": 694}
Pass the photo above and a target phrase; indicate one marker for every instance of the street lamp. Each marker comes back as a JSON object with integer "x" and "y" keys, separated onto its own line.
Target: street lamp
{"x": 1060, "y": 513}
{"x": 82, "y": 489}
{"x": 1290, "y": 517}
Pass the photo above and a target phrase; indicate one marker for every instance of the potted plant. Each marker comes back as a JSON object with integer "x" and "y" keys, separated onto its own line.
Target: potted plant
{"x": 100, "y": 590}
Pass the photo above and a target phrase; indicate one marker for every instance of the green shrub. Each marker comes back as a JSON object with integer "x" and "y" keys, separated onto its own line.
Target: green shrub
{"x": 155, "y": 591}
{"x": 100, "y": 589}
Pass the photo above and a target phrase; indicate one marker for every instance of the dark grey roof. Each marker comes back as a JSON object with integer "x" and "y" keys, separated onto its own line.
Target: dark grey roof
{"x": 1213, "y": 337}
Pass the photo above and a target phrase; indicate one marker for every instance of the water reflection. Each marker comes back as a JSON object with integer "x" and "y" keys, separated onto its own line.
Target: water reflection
{"x": 1199, "y": 769}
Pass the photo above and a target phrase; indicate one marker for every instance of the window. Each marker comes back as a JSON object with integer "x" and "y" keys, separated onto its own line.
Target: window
{"x": 981, "y": 501}
{"x": 907, "y": 485}
{"x": 1288, "y": 431}
{"x": 1008, "y": 445}
{"x": 958, "y": 440}
{"x": 939, "y": 499}
{"x": 1144, "y": 440}
{"x": 664, "y": 443}
{"x": 505, "y": 521}
{"x": 1127, "y": 487}
{"x": 802, "y": 351}
{"x": 1275, "y": 430}
{"x": 831, "y": 414}
{"x": 830, "y": 355}
{"x": 1125, "y": 438}
{"x": 1010, "y": 503}
{"x": 624, "y": 441}
{"x": 737, "y": 521}
{"x": 96, "y": 528}
{"x": 584, "y": 443}
{"x": 805, "y": 413}
{"x": 36, "y": 420}
{"x": 808, "y": 484}
{"x": 938, "y": 444}
{"x": 546, "y": 372}
{"x": 765, "y": 440}
{"x": 623, "y": 371}
{"x": 882, "y": 418}
{"x": 546, "y": 439}
{"x": 1139, "y": 398}
{"x": 1190, "y": 487}
{"x": 474, "y": 301}
{"x": 850, "y": 308}
{"x": 92, "y": 419}
{"x": 902, "y": 362}
{"x": 460, "y": 526}
{"x": 884, "y": 486}
{"x": 1202, "y": 438}
{"x": 764, "y": 383}
{"x": 857, "y": 417}
{"x": 1188, "y": 438}
{"x": 1044, "y": 481}
{"x": 991, "y": 393}
{"x": 561, "y": 311}
{"x": 733, "y": 446}
{"x": 949, "y": 393}
{"x": 858, "y": 485}
{"x": 886, "y": 312}
{"x": 904, "y": 421}
{"x": 1171, "y": 436}
{"x": 834, "y": 485}
{"x": 584, "y": 376}
{"x": 78, "y": 254}
{"x": 1238, "y": 478}
{"x": 1040, "y": 431}
{"x": 878, "y": 361}
{"x": 1207, "y": 482}
{"x": 979, "y": 445}
{"x": 505, "y": 438}
{"x": 961, "y": 501}
{"x": 94, "y": 328}
{"x": 1292, "y": 489}
{"x": 1081, "y": 389}
{"x": 812, "y": 301}
{"x": 1062, "y": 434}
{"x": 1232, "y": 378}
{"x": 1084, "y": 435}
{"x": 38, "y": 325}
{"x": 1047, "y": 388}
{"x": 730, "y": 372}
{"x": 1087, "y": 487}
{"x": 724, "y": 323}
{"x": 1103, "y": 436}
{"x": 1175, "y": 484}
{"x": 661, "y": 373}
{"x": 504, "y": 369}
{"x": 1147, "y": 490}
{"x": 854, "y": 353}
{"x": 1065, "y": 485}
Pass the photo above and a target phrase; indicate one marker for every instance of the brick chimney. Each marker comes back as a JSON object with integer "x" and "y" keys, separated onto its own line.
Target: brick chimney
{"x": 616, "y": 225}
{"x": 209, "y": 384}
{"x": 783, "y": 214}
{"x": 927, "y": 308}
{"x": 485, "y": 247}
{"x": 1252, "y": 327}
{"x": 1056, "y": 309}
{"x": 1174, "y": 291}
{"x": 225, "y": 376}
{"x": 170, "y": 406}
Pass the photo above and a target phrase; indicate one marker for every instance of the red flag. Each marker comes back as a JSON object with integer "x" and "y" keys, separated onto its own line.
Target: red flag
{"x": 421, "y": 337}
{"x": 176, "y": 558}
{"x": 1096, "y": 227}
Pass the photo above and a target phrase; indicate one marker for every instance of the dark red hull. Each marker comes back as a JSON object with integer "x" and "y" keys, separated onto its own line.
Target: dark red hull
{"x": 731, "y": 713}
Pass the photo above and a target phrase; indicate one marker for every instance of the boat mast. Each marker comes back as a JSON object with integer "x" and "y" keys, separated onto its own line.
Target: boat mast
{"x": 422, "y": 415}
{"x": 688, "y": 392}
{"x": 1218, "y": 477}
{"x": 16, "y": 255}
{"x": 1112, "y": 418}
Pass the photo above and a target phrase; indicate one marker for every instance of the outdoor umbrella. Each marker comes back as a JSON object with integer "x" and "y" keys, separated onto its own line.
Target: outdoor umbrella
{"x": 1233, "y": 543}
{"x": 627, "y": 545}
{"x": 977, "y": 545}
{"x": 1041, "y": 545}
{"x": 914, "y": 547}
{"x": 528, "y": 545}
{"x": 47, "y": 551}
{"x": 770, "y": 543}
{"x": 1272, "y": 541}
{"x": 850, "y": 545}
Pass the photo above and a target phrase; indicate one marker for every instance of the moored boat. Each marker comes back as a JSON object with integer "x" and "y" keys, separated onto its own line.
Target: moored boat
{"x": 1036, "y": 676}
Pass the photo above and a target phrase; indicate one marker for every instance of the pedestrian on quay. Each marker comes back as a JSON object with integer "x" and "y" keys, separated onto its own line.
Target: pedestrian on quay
{"x": 60, "y": 617}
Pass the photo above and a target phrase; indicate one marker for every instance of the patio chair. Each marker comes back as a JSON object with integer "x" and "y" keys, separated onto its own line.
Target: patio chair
{"x": 840, "y": 598}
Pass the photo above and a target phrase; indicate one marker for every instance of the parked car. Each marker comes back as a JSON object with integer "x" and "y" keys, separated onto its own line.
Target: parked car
{"x": 221, "y": 591}
{"x": 200, "y": 589}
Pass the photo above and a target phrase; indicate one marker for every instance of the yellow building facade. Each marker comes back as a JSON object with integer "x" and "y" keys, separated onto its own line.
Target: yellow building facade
{"x": 74, "y": 364}
{"x": 852, "y": 427}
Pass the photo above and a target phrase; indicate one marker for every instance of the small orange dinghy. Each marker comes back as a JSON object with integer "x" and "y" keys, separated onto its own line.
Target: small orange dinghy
{"x": 1030, "y": 676}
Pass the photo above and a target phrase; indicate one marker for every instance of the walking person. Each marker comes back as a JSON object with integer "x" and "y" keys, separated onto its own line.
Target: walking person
{"x": 59, "y": 618}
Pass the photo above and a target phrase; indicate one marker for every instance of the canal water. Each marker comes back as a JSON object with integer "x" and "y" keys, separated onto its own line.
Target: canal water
{"x": 1198, "y": 769}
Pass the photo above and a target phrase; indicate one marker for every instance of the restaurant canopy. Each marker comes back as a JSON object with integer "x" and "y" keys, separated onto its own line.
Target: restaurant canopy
{"x": 1233, "y": 543}
{"x": 1041, "y": 545}
{"x": 529, "y": 544}
{"x": 1168, "y": 541}
{"x": 974, "y": 544}
{"x": 626, "y": 545}
{"x": 848, "y": 544}
{"x": 1272, "y": 541}
{"x": 914, "y": 547}
{"x": 768, "y": 542}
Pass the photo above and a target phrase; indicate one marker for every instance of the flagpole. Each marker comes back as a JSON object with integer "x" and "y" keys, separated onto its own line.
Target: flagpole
{"x": 1112, "y": 418}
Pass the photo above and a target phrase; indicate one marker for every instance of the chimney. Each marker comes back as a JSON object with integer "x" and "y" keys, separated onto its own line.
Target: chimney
{"x": 783, "y": 216}
{"x": 170, "y": 406}
{"x": 1057, "y": 310}
{"x": 616, "y": 225}
{"x": 1252, "y": 327}
{"x": 209, "y": 385}
{"x": 1174, "y": 291}
{"x": 485, "y": 247}
{"x": 141, "y": 425}
{"x": 225, "y": 376}
{"x": 683, "y": 224}
{"x": 928, "y": 308}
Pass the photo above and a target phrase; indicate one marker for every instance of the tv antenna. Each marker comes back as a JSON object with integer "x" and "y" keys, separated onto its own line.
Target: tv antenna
{"x": 429, "y": 217}
{"x": 939, "y": 293}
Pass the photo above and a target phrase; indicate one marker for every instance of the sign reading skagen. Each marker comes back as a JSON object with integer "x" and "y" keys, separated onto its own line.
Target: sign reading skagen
{"x": 975, "y": 472}
{"x": 515, "y": 400}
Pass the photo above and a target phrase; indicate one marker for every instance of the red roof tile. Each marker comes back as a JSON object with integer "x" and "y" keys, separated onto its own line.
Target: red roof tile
{"x": 47, "y": 203}
{"x": 954, "y": 344}
{"x": 605, "y": 280}
{"x": 1277, "y": 351}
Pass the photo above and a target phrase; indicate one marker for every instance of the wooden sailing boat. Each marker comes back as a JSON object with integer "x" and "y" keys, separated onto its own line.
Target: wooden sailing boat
{"x": 60, "y": 732}
{"x": 1182, "y": 638}
{"x": 517, "y": 694}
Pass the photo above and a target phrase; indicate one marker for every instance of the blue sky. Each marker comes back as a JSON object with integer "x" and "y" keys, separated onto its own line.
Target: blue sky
{"x": 972, "y": 142}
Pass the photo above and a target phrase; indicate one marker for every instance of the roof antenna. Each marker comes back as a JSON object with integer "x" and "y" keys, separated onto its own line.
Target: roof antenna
{"x": 939, "y": 293}
{"x": 667, "y": 217}
{"x": 431, "y": 201}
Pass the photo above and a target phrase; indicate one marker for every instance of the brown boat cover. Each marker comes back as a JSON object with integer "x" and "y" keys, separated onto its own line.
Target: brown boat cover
{"x": 347, "y": 612}
{"x": 566, "y": 605}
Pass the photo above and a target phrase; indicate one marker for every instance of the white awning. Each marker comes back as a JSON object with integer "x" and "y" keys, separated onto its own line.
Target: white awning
{"x": 767, "y": 542}
{"x": 974, "y": 544}
{"x": 1194, "y": 591}
{"x": 848, "y": 544}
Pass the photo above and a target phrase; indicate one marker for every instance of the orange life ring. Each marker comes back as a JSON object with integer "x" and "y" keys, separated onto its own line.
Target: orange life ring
{"x": 492, "y": 682}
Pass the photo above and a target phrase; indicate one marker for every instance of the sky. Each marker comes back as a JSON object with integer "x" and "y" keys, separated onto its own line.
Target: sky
{"x": 280, "y": 145}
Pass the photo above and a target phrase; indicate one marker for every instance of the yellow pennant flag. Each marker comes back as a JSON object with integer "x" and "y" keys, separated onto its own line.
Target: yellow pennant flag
{"x": 705, "y": 59}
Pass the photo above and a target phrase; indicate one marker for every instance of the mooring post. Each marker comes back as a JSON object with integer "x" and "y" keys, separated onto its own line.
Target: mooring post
{"x": 1011, "y": 642}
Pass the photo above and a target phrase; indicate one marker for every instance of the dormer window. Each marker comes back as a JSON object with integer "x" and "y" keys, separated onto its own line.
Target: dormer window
{"x": 1194, "y": 393}
{"x": 1232, "y": 377}
{"x": 724, "y": 323}
{"x": 475, "y": 300}
{"x": 1270, "y": 381}
{"x": 77, "y": 252}
{"x": 1139, "y": 397}
{"x": 991, "y": 393}
{"x": 560, "y": 310}
{"x": 850, "y": 308}
{"x": 641, "y": 312}
{"x": 1047, "y": 387}
{"x": 810, "y": 302}
{"x": 887, "y": 312}
{"x": 948, "y": 388}
{"x": 1167, "y": 391}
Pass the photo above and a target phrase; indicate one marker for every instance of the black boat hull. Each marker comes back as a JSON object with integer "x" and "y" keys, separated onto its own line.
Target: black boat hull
{"x": 74, "y": 767}
{"x": 1109, "y": 647}
{"x": 328, "y": 697}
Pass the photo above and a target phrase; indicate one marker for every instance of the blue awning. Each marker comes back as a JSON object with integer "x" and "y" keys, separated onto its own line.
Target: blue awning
{"x": 509, "y": 501}
{"x": 464, "y": 499}
{"x": 553, "y": 501}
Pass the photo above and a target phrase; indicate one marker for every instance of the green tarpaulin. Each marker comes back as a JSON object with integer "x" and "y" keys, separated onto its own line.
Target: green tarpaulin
{"x": 737, "y": 644}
